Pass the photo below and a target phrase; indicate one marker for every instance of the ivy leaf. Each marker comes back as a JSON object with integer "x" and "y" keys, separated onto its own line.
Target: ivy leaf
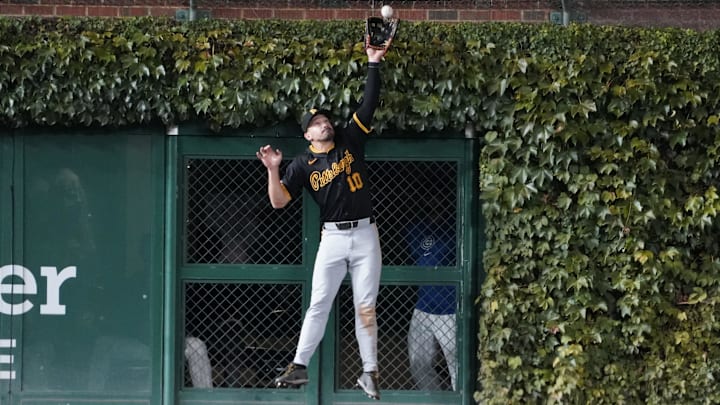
{"x": 159, "y": 71}
{"x": 200, "y": 66}
{"x": 697, "y": 296}
{"x": 584, "y": 108}
{"x": 426, "y": 105}
{"x": 182, "y": 65}
{"x": 522, "y": 64}
{"x": 642, "y": 256}
{"x": 515, "y": 362}
{"x": 203, "y": 105}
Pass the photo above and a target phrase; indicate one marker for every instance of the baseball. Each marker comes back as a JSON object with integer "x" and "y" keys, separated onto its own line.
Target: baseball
{"x": 386, "y": 11}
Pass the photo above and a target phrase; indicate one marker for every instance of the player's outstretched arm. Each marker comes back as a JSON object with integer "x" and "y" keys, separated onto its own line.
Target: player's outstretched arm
{"x": 272, "y": 159}
{"x": 371, "y": 94}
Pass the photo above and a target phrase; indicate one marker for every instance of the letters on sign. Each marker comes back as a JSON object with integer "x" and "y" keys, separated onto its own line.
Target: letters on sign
{"x": 20, "y": 281}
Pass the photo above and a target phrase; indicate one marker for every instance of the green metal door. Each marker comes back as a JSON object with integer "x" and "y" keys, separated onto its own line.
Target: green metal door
{"x": 241, "y": 274}
{"x": 244, "y": 271}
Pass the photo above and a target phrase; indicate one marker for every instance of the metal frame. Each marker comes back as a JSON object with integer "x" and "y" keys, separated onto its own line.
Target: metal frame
{"x": 195, "y": 142}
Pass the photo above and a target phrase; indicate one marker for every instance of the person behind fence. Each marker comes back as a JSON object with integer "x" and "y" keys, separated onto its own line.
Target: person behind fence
{"x": 431, "y": 242}
{"x": 198, "y": 361}
{"x": 333, "y": 170}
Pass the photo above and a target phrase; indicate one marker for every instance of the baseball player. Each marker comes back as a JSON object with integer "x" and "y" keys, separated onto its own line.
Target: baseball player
{"x": 334, "y": 172}
{"x": 433, "y": 321}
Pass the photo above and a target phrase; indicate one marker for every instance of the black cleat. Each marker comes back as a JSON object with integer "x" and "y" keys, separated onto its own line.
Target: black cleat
{"x": 368, "y": 381}
{"x": 292, "y": 377}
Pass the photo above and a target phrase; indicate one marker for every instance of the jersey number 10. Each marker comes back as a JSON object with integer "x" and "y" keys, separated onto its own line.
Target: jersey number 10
{"x": 355, "y": 182}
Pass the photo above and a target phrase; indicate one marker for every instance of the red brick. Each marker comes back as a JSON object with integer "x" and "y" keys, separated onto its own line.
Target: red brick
{"x": 71, "y": 10}
{"x": 95, "y": 11}
{"x": 257, "y": 13}
{"x": 134, "y": 11}
{"x": 318, "y": 14}
{"x": 701, "y": 17}
{"x": 506, "y": 15}
{"x": 39, "y": 10}
{"x": 605, "y": 17}
{"x": 411, "y": 15}
{"x": 162, "y": 11}
{"x": 352, "y": 14}
{"x": 227, "y": 13}
{"x": 443, "y": 15}
{"x": 11, "y": 9}
{"x": 290, "y": 14}
{"x": 535, "y": 15}
{"x": 474, "y": 15}
{"x": 711, "y": 16}
{"x": 141, "y": 3}
{"x": 660, "y": 18}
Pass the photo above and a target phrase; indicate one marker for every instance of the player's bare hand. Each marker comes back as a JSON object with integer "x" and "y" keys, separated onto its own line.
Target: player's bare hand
{"x": 376, "y": 55}
{"x": 269, "y": 157}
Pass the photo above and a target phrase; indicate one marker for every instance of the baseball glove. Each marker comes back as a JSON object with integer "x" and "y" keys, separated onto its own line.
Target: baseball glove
{"x": 380, "y": 32}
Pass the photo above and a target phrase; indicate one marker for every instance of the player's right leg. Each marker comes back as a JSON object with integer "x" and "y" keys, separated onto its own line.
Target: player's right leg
{"x": 365, "y": 267}
{"x": 328, "y": 273}
{"x": 445, "y": 330}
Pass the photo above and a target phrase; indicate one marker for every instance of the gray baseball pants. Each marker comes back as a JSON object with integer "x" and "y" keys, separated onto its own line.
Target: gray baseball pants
{"x": 355, "y": 251}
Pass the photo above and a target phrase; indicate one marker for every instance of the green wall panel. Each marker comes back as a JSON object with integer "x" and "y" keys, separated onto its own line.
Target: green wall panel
{"x": 86, "y": 310}
{"x": 73, "y": 400}
{"x": 5, "y": 255}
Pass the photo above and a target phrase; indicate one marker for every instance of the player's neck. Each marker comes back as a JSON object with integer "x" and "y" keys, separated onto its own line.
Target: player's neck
{"x": 321, "y": 146}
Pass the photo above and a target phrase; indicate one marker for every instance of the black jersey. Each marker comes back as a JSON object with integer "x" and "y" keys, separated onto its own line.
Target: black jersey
{"x": 337, "y": 180}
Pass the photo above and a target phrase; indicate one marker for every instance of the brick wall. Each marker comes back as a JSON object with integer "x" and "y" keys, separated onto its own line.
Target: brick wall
{"x": 701, "y": 16}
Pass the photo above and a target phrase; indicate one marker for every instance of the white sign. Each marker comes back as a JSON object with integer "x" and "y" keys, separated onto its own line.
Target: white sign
{"x": 7, "y": 359}
{"x": 18, "y": 280}
{"x": 28, "y": 286}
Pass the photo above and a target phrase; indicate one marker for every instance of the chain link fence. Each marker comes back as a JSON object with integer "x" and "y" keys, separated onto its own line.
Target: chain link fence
{"x": 241, "y": 334}
{"x": 413, "y": 351}
{"x": 229, "y": 219}
{"x": 244, "y": 332}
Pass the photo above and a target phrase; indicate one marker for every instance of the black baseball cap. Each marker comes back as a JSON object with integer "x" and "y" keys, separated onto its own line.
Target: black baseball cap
{"x": 309, "y": 115}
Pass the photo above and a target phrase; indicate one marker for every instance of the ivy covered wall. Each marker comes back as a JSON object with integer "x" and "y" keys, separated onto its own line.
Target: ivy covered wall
{"x": 599, "y": 178}
{"x": 598, "y": 173}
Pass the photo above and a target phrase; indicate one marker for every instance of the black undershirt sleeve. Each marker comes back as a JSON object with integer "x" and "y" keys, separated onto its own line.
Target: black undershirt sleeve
{"x": 371, "y": 95}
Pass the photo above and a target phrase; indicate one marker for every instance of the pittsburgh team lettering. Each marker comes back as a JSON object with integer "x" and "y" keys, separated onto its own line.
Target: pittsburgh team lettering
{"x": 322, "y": 179}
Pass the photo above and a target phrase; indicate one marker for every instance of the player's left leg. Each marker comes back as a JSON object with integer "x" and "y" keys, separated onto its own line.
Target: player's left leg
{"x": 365, "y": 266}
{"x": 444, "y": 327}
{"x": 421, "y": 352}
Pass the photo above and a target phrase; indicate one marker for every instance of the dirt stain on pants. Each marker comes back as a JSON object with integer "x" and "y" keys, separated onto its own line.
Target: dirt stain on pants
{"x": 368, "y": 319}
